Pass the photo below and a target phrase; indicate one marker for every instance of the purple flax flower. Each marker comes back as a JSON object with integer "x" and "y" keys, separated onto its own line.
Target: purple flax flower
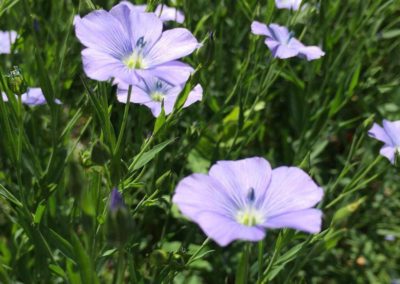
{"x": 288, "y": 4}
{"x": 152, "y": 91}
{"x": 390, "y": 135}
{"x": 116, "y": 201}
{"x": 7, "y": 39}
{"x": 33, "y": 97}
{"x": 238, "y": 200}
{"x": 164, "y": 12}
{"x": 390, "y": 238}
{"x": 4, "y": 97}
{"x": 282, "y": 43}
{"x": 127, "y": 45}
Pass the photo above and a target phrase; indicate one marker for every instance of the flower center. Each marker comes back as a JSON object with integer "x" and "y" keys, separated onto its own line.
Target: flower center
{"x": 157, "y": 96}
{"x": 135, "y": 61}
{"x": 249, "y": 217}
{"x": 291, "y": 35}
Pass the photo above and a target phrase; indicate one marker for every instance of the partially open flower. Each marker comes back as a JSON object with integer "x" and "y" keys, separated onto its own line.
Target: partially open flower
{"x": 164, "y": 12}
{"x": 7, "y": 39}
{"x": 282, "y": 43}
{"x": 390, "y": 135}
{"x": 288, "y": 4}
{"x": 152, "y": 92}
{"x": 32, "y": 97}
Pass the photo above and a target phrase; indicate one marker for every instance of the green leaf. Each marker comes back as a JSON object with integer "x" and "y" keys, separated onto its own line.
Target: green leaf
{"x": 160, "y": 121}
{"x": 243, "y": 269}
{"x": 73, "y": 274}
{"x": 57, "y": 270}
{"x": 141, "y": 160}
{"x": 391, "y": 34}
{"x": 4, "y": 6}
{"x": 290, "y": 254}
{"x": 202, "y": 255}
{"x": 281, "y": 262}
{"x": 86, "y": 268}
{"x": 180, "y": 101}
{"x": 270, "y": 11}
{"x": 333, "y": 237}
{"x": 109, "y": 252}
{"x": 9, "y": 196}
{"x": 348, "y": 210}
{"x": 4, "y": 278}
{"x": 165, "y": 175}
{"x": 44, "y": 79}
{"x": 39, "y": 212}
{"x": 354, "y": 80}
{"x": 55, "y": 240}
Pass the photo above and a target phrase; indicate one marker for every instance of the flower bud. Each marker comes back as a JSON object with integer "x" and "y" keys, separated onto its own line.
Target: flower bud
{"x": 116, "y": 201}
{"x": 16, "y": 81}
{"x": 100, "y": 153}
{"x": 119, "y": 223}
{"x": 159, "y": 258}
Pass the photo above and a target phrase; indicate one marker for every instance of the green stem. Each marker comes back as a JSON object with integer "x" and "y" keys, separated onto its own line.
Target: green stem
{"x": 142, "y": 151}
{"x": 149, "y": 142}
{"x": 117, "y": 151}
{"x": 242, "y": 275}
{"x": 19, "y": 154}
{"x": 123, "y": 124}
{"x": 119, "y": 275}
{"x": 271, "y": 263}
{"x": 172, "y": 274}
{"x": 357, "y": 179}
{"x": 193, "y": 257}
{"x": 260, "y": 259}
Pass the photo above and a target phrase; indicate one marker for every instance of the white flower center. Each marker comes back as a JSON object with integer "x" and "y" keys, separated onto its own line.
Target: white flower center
{"x": 249, "y": 217}
{"x": 157, "y": 96}
{"x": 135, "y": 61}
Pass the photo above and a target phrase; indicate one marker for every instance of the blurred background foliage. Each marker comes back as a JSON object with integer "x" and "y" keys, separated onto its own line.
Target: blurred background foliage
{"x": 58, "y": 164}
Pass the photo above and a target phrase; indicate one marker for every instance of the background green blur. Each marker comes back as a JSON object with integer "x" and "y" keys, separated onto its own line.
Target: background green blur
{"x": 56, "y": 170}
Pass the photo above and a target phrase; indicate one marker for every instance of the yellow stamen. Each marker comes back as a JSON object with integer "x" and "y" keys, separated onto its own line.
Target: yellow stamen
{"x": 135, "y": 61}
{"x": 249, "y": 217}
{"x": 157, "y": 96}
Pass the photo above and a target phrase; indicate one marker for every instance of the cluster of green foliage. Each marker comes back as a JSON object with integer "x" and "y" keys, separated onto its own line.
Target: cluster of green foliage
{"x": 59, "y": 163}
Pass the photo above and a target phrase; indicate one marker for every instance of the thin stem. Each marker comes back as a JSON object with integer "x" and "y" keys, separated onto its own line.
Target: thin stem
{"x": 119, "y": 275}
{"x": 271, "y": 262}
{"x": 124, "y": 123}
{"x": 260, "y": 260}
{"x": 349, "y": 188}
{"x": 19, "y": 154}
{"x": 242, "y": 275}
{"x": 149, "y": 142}
{"x": 193, "y": 257}
{"x": 117, "y": 151}
{"x": 144, "y": 149}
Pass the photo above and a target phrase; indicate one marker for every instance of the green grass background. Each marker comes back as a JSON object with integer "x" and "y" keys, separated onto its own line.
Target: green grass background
{"x": 58, "y": 164}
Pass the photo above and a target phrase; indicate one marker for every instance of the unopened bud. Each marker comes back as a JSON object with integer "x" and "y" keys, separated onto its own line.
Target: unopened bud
{"x": 158, "y": 258}
{"x": 116, "y": 201}
{"x": 119, "y": 223}
{"x": 16, "y": 81}
{"x": 100, "y": 153}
